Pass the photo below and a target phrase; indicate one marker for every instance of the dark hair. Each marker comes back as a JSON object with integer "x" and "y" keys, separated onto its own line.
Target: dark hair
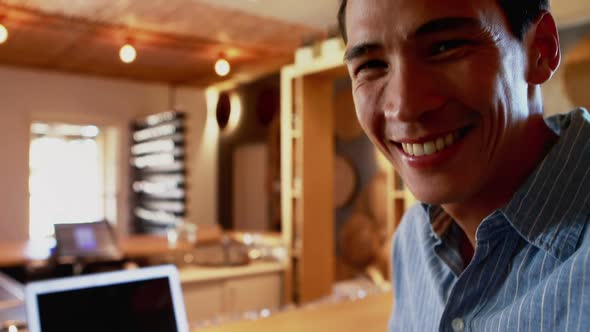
{"x": 519, "y": 13}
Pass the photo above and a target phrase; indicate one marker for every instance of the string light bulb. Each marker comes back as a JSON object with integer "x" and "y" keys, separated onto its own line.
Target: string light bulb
{"x": 127, "y": 53}
{"x": 222, "y": 67}
{"x": 3, "y": 34}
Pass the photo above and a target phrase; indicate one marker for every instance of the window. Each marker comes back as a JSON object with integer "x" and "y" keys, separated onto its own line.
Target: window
{"x": 67, "y": 176}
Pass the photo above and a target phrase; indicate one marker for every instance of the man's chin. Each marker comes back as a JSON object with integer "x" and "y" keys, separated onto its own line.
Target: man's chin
{"x": 435, "y": 198}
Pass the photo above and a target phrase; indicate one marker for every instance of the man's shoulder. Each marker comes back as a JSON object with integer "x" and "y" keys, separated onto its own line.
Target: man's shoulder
{"x": 414, "y": 221}
{"x": 583, "y": 248}
{"x": 411, "y": 234}
{"x": 561, "y": 121}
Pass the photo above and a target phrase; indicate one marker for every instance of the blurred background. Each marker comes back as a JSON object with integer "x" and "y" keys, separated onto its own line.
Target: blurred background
{"x": 217, "y": 135}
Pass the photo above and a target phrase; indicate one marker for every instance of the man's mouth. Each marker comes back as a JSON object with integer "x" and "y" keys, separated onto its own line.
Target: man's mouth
{"x": 433, "y": 145}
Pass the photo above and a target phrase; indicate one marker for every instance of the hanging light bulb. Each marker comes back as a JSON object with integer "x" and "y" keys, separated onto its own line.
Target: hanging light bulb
{"x": 222, "y": 67}
{"x": 127, "y": 53}
{"x": 3, "y": 34}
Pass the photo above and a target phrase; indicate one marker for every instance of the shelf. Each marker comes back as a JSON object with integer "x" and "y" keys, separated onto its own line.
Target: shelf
{"x": 307, "y": 110}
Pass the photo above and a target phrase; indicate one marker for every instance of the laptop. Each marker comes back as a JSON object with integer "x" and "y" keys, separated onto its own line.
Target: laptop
{"x": 141, "y": 300}
{"x": 86, "y": 241}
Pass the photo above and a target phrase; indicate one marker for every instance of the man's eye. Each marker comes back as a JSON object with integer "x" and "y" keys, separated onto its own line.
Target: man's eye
{"x": 447, "y": 46}
{"x": 371, "y": 65}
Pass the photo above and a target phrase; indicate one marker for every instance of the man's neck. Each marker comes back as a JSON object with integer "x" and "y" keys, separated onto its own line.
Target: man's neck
{"x": 524, "y": 158}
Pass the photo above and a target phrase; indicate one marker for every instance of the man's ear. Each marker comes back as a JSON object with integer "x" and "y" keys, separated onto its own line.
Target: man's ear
{"x": 544, "y": 52}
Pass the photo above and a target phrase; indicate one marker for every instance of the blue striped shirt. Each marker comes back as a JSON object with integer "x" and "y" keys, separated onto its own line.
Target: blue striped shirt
{"x": 531, "y": 267}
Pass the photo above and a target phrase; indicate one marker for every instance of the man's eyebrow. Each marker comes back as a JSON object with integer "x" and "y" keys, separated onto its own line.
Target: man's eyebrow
{"x": 360, "y": 50}
{"x": 447, "y": 24}
{"x": 431, "y": 27}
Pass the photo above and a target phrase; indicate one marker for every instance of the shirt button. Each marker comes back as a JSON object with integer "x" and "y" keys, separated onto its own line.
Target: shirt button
{"x": 458, "y": 325}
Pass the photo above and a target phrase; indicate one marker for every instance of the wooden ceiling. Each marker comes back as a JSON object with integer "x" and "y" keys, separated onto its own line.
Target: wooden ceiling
{"x": 178, "y": 41}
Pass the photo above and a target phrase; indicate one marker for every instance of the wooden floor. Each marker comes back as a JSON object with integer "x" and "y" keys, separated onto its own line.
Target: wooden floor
{"x": 367, "y": 315}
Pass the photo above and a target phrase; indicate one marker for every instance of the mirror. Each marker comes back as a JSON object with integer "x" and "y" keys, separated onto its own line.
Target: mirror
{"x": 248, "y": 165}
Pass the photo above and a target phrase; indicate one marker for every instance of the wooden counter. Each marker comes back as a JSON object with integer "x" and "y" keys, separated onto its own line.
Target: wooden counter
{"x": 19, "y": 253}
{"x": 202, "y": 273}
{"x": 367, "y": 315}
{"x": 217, "y": 291}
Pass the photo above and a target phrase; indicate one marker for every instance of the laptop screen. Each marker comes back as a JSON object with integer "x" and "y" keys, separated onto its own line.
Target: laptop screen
{"x": 86, "y": 240}
{"x": 134, "y": 306}
{"x": 121, "y": 301}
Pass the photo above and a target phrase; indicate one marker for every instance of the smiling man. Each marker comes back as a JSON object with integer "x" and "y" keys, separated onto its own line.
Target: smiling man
{"x": 450, "y": 92}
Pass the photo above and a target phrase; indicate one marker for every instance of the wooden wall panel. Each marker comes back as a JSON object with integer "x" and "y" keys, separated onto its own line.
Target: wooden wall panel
{"x": 317, "y": 256}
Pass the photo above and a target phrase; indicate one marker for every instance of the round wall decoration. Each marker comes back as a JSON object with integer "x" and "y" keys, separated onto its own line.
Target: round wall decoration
{"x": 223, "y": 110}
{"x": 345, "y": 181}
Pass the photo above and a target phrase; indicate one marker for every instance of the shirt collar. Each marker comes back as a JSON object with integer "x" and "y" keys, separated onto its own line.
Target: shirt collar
{"x": 440, "y": 221}
{"x": 551, "y": 208}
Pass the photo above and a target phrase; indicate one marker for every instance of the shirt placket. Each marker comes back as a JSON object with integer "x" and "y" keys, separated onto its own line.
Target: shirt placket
{"x": 464, "y": 296}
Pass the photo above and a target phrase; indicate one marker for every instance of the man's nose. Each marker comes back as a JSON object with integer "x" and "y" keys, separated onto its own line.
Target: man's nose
{"x": 410, "y": 92}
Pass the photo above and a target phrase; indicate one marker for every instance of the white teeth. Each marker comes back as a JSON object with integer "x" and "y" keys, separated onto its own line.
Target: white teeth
{"x": 409, "y": 148}
{"x": 440, "y": 143}
{"x": 418, "y": 150}
{"x": 431, "y": 147}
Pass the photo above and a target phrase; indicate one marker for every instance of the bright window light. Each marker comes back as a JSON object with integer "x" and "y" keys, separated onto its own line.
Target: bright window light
{"x": 90, "y": 131}
{"x": 66, "y": 182}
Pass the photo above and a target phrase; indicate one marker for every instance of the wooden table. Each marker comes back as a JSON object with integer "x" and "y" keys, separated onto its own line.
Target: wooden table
{"x": 367, "y": 315}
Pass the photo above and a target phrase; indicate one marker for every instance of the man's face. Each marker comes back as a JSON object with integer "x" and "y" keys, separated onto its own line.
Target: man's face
{"x": 439, "y": 87}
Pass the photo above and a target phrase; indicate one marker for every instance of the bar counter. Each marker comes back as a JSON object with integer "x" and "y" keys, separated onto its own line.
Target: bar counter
{"x": 368, "y": 315}
{"x": 19, "y": 253}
